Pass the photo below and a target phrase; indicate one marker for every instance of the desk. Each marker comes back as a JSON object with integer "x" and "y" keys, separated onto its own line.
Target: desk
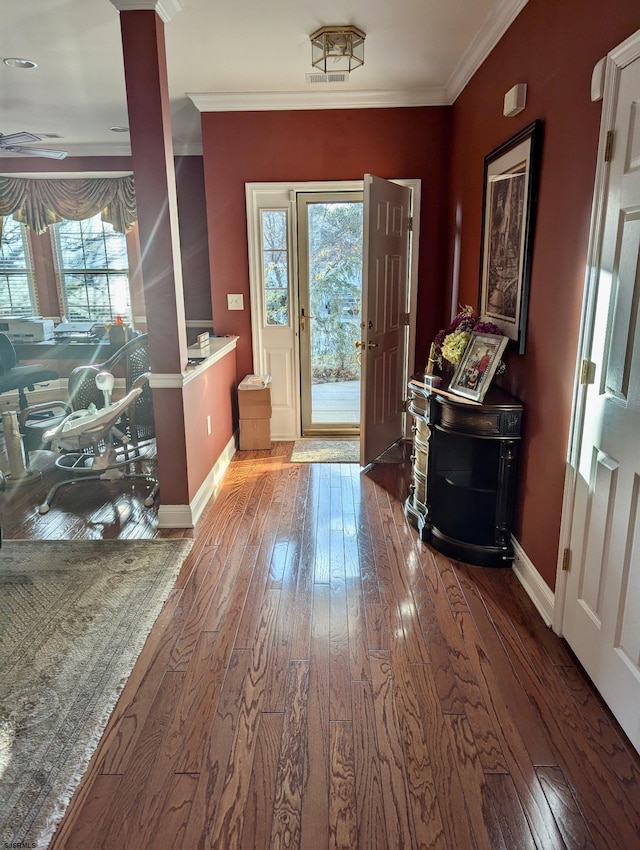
{"x": 64, "y": 355}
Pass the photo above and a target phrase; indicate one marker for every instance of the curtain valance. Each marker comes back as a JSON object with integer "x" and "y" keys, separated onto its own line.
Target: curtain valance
{"x": 40, "y": 203}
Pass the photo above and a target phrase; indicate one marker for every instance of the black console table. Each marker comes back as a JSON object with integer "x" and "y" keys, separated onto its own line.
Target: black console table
{"x": 464, "y": 474}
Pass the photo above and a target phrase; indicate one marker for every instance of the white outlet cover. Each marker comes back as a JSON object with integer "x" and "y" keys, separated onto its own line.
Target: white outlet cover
{"x": 235, "y": 302}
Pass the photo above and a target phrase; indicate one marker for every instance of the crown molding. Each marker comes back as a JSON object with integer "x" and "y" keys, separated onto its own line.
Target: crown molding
{"x": 166, "y": 9}
{"x": 284, "y": 100}
{"x": 497, "y": 23}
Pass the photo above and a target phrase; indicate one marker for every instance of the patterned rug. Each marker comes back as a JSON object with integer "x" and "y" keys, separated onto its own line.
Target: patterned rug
{"x": 74, "y": 616}
{"x": 310, "y": 450}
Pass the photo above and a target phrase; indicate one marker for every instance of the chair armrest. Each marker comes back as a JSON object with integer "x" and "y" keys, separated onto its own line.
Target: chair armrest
{"x": 58, "y": 408}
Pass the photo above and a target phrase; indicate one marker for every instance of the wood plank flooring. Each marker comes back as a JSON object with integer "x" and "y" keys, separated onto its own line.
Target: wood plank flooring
{"x": 319, "y": 678}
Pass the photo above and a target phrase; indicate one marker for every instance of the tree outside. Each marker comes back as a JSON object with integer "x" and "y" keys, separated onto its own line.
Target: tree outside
{"x": 335, "y": 285}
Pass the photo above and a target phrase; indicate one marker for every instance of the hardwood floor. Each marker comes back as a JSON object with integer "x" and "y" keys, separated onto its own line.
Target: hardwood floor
{"x": 319, "y": 678}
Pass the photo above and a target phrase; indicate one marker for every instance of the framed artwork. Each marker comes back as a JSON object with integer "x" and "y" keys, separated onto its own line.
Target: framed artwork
{"x": 508, "y": 217}
{"x": 478, "y": 365}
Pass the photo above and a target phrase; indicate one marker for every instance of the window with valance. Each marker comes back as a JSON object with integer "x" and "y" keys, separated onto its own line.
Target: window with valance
{"x": 41, "y": 203}
{"x": 87, "y": 220}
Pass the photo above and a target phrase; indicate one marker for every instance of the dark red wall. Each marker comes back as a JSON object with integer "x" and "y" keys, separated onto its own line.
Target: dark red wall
{"x": 552, "y": 46}
{"x": 320, "y": 145}
{"x": 192, "y": 222}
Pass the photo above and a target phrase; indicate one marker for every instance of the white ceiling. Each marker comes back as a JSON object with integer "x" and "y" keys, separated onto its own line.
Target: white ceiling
{"x": 232, "y": 54}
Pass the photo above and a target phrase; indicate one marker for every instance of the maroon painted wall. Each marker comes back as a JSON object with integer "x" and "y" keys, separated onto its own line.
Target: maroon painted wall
{"x": 552, "y": 46}
{"x": 192, "y": 223}
{"x": 320, "y": 145}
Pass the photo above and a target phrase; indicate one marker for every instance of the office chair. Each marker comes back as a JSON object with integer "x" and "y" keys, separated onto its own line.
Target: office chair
{"x": 21, "y": 378}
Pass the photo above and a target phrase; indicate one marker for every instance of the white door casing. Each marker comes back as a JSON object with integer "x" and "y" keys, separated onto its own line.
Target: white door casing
{"x": 387, "y": 210}
{"x": 601, "y": 516}
{"x": 276, "y": 348}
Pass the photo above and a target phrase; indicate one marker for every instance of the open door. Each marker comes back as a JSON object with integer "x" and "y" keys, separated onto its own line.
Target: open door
{"x": 384, "y": 312}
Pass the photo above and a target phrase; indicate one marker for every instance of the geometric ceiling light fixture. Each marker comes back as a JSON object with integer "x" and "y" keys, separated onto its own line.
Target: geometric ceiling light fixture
{"x": 339, "y": 48}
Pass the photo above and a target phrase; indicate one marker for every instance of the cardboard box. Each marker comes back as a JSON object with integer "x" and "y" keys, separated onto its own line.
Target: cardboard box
{"x": 255, "y": 434}
{"x": 254, "y": 397}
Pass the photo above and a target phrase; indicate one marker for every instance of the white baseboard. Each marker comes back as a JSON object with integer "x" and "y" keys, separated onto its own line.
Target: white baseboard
{"x": 536, "y": 587}
{"x": 186, "y": 516}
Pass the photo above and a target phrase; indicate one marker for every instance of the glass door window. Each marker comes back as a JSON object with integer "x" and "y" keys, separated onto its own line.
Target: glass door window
{"x": 330, "y": 280}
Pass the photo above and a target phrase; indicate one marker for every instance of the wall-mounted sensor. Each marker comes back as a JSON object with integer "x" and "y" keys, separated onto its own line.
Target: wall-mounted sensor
{"x": 515, "y": 100}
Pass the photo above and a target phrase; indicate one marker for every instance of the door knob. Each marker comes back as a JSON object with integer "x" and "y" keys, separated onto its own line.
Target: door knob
{"x": 372, "y": 345}
{"x": 359, "y": 343}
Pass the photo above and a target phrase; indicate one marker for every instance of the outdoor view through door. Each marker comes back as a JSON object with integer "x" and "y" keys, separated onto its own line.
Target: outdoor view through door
{"x": 330, "y": 283}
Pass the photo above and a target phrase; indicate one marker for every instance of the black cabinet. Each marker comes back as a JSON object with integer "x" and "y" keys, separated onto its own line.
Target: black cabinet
{"x": 464, "y": 474}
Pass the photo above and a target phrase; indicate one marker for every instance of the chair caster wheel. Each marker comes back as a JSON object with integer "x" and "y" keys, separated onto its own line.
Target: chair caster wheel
{"x": 149, "y": 501}
{"x": 43, "y": 509}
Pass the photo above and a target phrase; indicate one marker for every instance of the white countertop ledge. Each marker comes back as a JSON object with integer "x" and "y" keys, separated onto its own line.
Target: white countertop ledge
{"x": 219, "y": 347}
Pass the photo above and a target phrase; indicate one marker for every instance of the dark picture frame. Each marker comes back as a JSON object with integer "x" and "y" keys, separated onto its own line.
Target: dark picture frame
{"x": 509, "y": 200}
{"x": 478, "y": 365}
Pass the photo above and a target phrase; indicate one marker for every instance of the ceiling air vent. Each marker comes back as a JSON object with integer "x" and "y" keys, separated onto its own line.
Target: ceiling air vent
{"x": 336, "y": 77}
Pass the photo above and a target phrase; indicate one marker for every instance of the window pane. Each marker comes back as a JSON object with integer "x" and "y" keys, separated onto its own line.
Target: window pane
{"x": 93, "y": 270}
{"x": 275, "y": 266}
{"x": 16, "y": 278}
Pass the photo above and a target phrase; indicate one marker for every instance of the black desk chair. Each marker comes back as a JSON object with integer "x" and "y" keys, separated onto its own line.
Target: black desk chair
{"x": 21, "y": 378}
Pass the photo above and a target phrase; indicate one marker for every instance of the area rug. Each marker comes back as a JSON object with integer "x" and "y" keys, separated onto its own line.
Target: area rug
{"x": 74, "y": 616}
{"x": 310, "y": 450}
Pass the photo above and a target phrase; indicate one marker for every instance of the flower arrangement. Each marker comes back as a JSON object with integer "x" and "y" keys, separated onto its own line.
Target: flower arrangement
{"x": 450, "y": 343}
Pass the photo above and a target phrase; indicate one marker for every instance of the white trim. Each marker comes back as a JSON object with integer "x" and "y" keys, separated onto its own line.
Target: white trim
{"x": 169, "y": 380}
{"x": 166, "y": 9}
{"x": 270, "y": 101}
{"x": 186, "y": 516}
{"x": 536, "y": 587}
{"x": 616, "y": 60}
{"x": 497, "y": 23}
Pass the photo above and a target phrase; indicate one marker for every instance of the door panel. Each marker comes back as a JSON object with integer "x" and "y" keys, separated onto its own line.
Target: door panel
{"x": 384, "y": 296}
{"x": 603, "y": 588}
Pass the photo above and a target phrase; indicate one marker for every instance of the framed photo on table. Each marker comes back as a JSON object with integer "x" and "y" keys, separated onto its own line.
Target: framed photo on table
{"x": 508, "y": 218}
{"x": 478, "y": 365}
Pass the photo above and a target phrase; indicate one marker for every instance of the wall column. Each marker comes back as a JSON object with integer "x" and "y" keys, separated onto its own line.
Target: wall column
{"x": 142, "y": 27}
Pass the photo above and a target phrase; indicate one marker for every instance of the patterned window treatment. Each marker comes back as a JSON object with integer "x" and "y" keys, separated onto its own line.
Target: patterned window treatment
{"x": 40, "y": 203}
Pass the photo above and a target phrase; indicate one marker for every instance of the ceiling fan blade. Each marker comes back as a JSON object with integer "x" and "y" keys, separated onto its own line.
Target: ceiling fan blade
{"x": 46, "y": 152}
{"x": 18, "y": 139}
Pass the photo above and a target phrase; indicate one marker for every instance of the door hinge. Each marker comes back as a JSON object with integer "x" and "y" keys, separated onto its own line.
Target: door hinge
{"x": 608, "y": 147}
{"x": 566, "y": 560}
{"x": 405, "y": 404}
{"x": 407, "y": 318}
{"x": 410, "y": 223}
{"x": 587, "y": 372}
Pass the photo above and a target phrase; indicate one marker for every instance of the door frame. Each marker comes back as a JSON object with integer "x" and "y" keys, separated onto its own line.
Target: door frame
{"x": 614, "y": 62}
{"x": 264, "y": 190}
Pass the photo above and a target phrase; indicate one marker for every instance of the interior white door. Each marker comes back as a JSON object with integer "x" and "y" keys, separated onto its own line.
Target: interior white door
{"x": 602, "y": 603}
{"x": 387, "y": 208}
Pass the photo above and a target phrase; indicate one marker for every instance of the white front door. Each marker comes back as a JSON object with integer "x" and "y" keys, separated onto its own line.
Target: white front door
{"x": 387, "y": 209}
{"x": 601, "y": 618}
{"x": 275, "y": 307}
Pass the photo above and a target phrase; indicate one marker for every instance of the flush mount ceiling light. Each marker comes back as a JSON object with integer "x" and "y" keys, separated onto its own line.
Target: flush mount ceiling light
{"x": 24, "y": 64}
{"x": 337, "y": 48}
{"x": 119, "y": 129}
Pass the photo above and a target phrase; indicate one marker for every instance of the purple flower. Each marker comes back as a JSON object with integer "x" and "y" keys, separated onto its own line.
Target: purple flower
{"x": 486, "y": 328}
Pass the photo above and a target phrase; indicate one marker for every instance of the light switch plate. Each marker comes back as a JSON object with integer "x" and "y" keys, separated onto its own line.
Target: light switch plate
{"x": 235, "y": 302}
